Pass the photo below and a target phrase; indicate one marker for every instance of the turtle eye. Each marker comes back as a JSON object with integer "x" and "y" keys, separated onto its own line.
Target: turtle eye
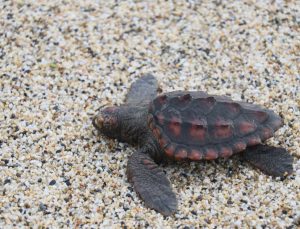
{"x": 110, "y": 121}
{"x": 107, "y": 118}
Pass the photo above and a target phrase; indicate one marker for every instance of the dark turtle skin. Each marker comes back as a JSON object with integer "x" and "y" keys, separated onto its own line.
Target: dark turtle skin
{"x": 192, "y": 126}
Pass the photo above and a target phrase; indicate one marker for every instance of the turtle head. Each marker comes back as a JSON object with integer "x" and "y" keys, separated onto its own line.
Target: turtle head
{"x": 125, "y": 123}
{"x": 107, "y": 122}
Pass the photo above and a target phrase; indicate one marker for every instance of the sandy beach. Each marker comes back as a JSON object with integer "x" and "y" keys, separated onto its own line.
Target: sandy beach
{"x": 62, "y": 60}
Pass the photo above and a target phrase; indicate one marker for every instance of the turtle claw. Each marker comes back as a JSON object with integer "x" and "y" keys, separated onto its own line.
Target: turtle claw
{"x": 151, "y": 183}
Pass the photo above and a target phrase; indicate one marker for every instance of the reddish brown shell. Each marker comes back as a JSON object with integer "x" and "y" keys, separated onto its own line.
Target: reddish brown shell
{"x": 195, "y": 125}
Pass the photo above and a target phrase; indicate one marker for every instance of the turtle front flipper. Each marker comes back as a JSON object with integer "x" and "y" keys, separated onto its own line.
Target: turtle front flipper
{"x": 151, "y": 183}
{"x": 273, "y": 161}
{"x": 142, "y": 91}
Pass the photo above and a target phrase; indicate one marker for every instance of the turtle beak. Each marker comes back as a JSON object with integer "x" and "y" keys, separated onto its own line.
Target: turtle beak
{"x": 98, "y": 122}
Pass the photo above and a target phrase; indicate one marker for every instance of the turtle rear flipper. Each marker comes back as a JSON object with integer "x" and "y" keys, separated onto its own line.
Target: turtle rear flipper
{"x": 273, "y": 161}
{"x": 142, "y": 91}
{"x": 151, "y": 183}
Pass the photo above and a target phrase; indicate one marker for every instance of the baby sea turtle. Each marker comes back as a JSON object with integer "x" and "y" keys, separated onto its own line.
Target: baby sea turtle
{"x": 188, "y": 125}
